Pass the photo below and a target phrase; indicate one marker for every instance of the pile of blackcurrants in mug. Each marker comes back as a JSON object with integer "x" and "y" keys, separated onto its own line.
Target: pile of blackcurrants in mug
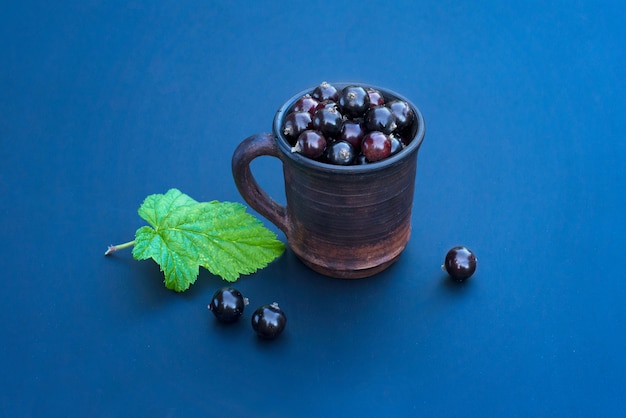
{"x": 354, "y": 125}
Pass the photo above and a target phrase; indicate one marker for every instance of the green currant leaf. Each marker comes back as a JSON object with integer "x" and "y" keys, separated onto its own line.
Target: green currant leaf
{"x": 155, "y": 208}
{"x": 219, "y": 236}
{"x": 180, "y": 271}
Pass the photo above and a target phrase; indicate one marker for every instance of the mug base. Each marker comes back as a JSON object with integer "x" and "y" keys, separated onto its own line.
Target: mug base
{"x": 349, "y": 273}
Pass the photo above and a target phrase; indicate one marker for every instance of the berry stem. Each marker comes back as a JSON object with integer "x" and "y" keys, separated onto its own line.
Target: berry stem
{"x": 113, "y": 248}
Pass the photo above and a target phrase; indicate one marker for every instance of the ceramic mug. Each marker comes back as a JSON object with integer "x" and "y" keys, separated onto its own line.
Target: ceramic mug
{"x": 341, "y": 221}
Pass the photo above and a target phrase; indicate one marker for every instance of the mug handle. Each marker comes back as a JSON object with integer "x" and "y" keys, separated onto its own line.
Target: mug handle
{"x": 250, "y": 148}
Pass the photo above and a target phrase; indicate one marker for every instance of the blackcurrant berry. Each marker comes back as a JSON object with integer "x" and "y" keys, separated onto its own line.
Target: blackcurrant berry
{"x": 340, "y": 153}
{"x": 460, "y": 263}
{"x": 361, "y": 160}
{"x": 376, "y": 97}
{"x": 325, "y": 91}
{"x": 405, "y": 117}
{"x": 227, "y": 304}
{"x": 305, "y": 104}
{"x": 353, "y": 101}
{"x": 327, "y": 104}
{"x": 404, "y": 137}
{"x": 310, "y": 143}
{"x": 380, "y": 118}
{"x": 328, "y": 120}
{"x": 352, "y": 131}
{"x": 269, "y": 321}
{"x": 376, "y": 146}
{"x": 296, "y": 123}
{"x": 396, "y": 144}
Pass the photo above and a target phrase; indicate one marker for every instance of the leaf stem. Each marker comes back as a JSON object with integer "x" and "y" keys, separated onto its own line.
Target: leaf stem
{"x": 113, "y": 248}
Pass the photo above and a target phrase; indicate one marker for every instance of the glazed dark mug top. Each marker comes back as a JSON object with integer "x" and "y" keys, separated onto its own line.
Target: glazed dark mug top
{"x": 342, "y": 221}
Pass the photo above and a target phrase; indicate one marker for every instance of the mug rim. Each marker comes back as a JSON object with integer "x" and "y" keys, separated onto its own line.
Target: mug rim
{"x": 298, "y": 158}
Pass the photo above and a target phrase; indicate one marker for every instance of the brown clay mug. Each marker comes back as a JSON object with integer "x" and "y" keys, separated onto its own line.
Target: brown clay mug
{"x": 342, "y": 221}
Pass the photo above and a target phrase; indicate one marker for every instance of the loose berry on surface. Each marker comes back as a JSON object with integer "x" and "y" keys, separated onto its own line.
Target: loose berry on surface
{"x": 269, "y": 321}
{"x": 227, "y": 304}
{"x": 460, "y": 263}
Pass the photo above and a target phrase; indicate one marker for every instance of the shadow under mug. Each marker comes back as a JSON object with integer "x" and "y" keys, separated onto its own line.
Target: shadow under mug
{"x": 341, "y": 221}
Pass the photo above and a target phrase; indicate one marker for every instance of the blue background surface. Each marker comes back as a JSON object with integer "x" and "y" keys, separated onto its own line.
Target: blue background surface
{"x": 103, "y": 103}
